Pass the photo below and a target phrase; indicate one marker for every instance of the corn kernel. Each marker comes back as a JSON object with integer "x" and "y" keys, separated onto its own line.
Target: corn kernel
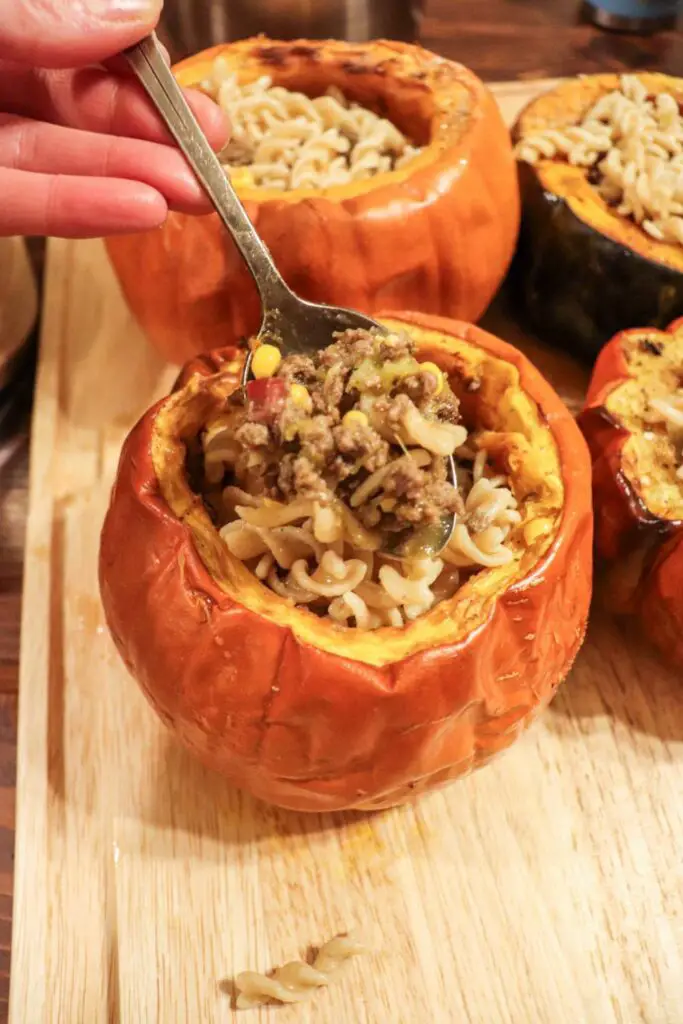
{"x": 265, "y": 361}
{"x": 241, "y": 177}
{"x": 300, "y": 396}
{"x": 355, "y": 418}
{"x": 535, "y": 529}
{"x": 291, "y": 430}
{"x": 387, "y": 504}
{"x": 434, "y": 369}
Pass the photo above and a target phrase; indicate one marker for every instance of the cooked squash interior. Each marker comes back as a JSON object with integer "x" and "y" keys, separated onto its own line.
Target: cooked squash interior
{"x": 508, "y": 425}
{"x": 649, "y": 406}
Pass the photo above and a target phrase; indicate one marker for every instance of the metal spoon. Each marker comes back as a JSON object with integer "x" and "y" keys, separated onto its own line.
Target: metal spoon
{"x": 295, "y": 325}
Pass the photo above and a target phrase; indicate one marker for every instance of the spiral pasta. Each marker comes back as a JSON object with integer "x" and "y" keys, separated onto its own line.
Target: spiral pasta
{"x": 297, "y": 981}
{"x": 287, "y": 140}
{"x": 634, "y": 145}
{"x": 354, "y": 584}
{"x": 308, "y": 492}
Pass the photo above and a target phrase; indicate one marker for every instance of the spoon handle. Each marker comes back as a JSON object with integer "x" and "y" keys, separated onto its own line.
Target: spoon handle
{"x": 148, "y": 64}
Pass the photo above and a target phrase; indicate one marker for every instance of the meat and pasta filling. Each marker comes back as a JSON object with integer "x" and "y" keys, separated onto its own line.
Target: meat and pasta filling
{"x": 324, "y": 458}
{"x": 285, "y": 140}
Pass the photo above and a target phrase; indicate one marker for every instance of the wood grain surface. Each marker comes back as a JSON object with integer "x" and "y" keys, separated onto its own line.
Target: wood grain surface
{"x": 546, "y": 888}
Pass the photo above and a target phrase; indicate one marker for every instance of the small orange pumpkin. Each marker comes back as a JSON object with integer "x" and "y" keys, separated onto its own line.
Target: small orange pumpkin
{"x": 309, "y": 715}
{"x": 437, "y": 234}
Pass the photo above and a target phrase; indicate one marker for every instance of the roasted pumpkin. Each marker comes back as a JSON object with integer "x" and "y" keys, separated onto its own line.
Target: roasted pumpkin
{"x": 436, "y": 234}
{"x": 585, "y": 271}
{"x": 313, "y": 716}
{"x": 637, "y": 479}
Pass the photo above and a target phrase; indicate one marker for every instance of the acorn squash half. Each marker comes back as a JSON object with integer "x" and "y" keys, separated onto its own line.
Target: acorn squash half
{"x": 584, "y": 271}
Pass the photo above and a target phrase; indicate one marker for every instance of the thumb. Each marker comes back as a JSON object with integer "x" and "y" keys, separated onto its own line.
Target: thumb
{"x": 69, "y": 33}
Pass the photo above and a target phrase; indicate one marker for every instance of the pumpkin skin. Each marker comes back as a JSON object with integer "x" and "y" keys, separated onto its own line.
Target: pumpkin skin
{"x": 290, "y": 707}
{"x": 437, "y": 235}
{"x": 638, "y": 525}
{"x": 585, "y": 272}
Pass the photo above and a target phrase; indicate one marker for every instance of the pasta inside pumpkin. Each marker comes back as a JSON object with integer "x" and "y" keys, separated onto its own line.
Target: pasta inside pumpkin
{"x": 288, "y": 495}
{"x": 283, "y": 139}
{"x": 625, "y": 146}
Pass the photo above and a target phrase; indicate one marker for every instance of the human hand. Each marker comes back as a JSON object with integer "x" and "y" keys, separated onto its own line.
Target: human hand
{"x": 82, "y": 152}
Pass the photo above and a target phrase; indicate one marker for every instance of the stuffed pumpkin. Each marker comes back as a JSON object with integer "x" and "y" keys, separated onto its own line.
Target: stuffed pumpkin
{"x": 633, "y": 422}
{"x": 244, "y": 583}
{"x": 379, "y": 175}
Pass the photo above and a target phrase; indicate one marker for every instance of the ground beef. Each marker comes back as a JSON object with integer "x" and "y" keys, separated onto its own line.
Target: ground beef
{"x": 421, "y": 497}
{"x": 298, "y": 370}
{"x": 288, "y": 422}
{"x": 358, "y": 447}
{"x": 395, "y": 409}
{"x": 419, "y": 387}
{"x": 308, "y": 483}
{"x": 434, "y": 501}
{"x": 317, "y": 440}
{"x": 446, "y": 497}
{"x": 350, "y": 349}
{"x": 395, "y": 346}
{"x": 328, "y": 400}
{"x": 253, "y": 435}
{"x": 447, "y": 408}
{"x": 298, "y": 478}
{"x": 405, "y": 481}
{"x": 284, "y": 486}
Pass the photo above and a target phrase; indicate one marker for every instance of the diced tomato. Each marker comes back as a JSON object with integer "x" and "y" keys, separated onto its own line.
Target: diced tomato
{"x": 266, "y": 397}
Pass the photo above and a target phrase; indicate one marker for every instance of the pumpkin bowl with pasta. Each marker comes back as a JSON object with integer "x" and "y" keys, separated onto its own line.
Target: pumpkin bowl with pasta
{"x": 379, "y": 175}
{"x": 244, "y": 584}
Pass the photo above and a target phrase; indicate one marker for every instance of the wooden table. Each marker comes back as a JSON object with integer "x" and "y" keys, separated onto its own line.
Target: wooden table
{"x": 505, "y": 39}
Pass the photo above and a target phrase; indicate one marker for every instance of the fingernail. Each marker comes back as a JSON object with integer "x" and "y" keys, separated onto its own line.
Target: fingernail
{"x": 145, "y": 11}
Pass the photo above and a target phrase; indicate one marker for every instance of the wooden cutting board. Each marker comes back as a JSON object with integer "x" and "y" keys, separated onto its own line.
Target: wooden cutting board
{"x": 545, "y": 889}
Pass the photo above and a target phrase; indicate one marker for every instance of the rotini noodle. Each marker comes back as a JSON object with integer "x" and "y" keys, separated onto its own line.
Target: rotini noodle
{"x": 633, "y": 144}
{"x": 287, "y": 140}
{"x": 297, "y": 981}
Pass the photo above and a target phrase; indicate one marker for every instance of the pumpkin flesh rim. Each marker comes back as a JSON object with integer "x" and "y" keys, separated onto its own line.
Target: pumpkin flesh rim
{"x": 521, "y": 443}
{"x": 562, "y": 107}
{"x": 648, "y": 457}
{"x": 436, "y": 84}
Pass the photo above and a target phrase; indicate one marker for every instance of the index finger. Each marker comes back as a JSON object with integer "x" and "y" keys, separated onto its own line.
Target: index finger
{"x": 97, "y": 101}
